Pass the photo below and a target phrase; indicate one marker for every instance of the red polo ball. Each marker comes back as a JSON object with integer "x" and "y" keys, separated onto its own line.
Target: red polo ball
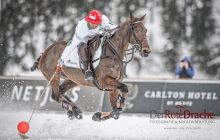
{"x": 23, "y": 127}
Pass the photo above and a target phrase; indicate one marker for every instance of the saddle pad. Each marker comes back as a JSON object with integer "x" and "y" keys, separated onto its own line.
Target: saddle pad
{"x": 73, "y": 61}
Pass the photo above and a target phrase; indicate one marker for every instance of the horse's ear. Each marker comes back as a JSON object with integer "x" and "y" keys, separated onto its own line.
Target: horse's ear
{"x": 143, "y": 17}
{"x": 131, "y": 17}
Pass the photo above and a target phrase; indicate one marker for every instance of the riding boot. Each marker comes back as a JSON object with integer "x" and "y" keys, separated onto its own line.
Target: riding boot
{"x": 83, "y": 52}
{"x": 88, "y": 72}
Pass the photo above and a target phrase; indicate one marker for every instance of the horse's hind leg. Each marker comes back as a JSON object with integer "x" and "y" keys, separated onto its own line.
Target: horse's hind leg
{"x": 72, "y": 109}
{"x": 47, "y": 63}
{"x": 58, "y": 93}
{"x": 66, "y": 85}
{"x": 59, "y": 96}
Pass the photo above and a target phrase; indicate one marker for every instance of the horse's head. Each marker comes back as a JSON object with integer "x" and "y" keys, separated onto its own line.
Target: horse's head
{"x": 138, "y": 35}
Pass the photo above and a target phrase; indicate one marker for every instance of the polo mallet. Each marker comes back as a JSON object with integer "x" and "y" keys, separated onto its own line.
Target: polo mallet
{"x": 23, "y": 126}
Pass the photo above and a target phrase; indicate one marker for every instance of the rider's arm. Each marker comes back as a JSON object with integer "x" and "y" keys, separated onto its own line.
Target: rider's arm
{"x": 81, "y": 36}
{"x": 106, "y": 23}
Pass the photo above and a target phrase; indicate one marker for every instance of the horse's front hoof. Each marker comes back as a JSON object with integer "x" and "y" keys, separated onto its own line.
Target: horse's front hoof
{"x": 116, "y": 112}
{"x": 97, "y": 117}
{"x": 115, "y": 116}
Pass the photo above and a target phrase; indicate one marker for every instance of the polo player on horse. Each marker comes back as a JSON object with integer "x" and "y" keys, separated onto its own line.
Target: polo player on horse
{"x": 109, "y": 73}
{"x": 93, "y": 24}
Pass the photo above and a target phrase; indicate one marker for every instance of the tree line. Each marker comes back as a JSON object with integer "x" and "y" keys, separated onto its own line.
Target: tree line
{"x": 186, "y": 23}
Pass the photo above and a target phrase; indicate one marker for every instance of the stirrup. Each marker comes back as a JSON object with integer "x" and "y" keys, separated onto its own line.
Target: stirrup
{"x": 88, "y": 75}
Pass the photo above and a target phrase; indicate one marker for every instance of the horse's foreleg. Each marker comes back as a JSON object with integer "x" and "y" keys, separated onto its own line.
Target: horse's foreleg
{"x": 121, "y": 96}
{"x": 117, "y": 98}
{"x": 118, "y": 94}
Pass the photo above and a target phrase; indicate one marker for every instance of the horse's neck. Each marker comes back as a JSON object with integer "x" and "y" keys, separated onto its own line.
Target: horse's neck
{"x": 121, "y": 38}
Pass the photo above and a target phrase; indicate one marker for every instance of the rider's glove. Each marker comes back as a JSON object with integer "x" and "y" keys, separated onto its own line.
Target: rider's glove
{"x": 60, "y": 62}
{"x": 105, "y": 31}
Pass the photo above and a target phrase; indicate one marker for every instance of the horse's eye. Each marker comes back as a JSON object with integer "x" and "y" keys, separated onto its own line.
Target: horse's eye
{"x": 135, "y": 27}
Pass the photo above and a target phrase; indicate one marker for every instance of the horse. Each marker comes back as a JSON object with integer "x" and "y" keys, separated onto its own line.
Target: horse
{"x": 109, "y": 73}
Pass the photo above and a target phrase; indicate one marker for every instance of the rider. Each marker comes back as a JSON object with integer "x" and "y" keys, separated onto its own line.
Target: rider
{"x": 93, "y": 24}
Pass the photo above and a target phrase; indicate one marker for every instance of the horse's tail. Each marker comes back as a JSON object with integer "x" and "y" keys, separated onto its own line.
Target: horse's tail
{"x": 35, "y": 65}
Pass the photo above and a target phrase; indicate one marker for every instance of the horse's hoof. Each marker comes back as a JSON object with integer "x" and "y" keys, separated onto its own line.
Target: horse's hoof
{"x": 79, "y": 116}
{"x": 76, "y": 113}
{"x": 70, "y": 115}
{"x": 115, "y": 116}
{"x": 116, "y": 113}
{"x": 97, "y": 116}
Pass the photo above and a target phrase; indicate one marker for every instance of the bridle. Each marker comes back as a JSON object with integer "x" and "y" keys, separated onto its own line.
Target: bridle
{"x": 136, "y": 46}
{"x": 131, "y": 51}
{"x": 137, "y": 43}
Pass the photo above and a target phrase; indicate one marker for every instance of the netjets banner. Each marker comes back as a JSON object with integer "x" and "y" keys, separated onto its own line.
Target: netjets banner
{"x": 25, "y": 93}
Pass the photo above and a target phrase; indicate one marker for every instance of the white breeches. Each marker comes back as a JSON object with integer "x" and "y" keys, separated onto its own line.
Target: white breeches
{"x": 68, "y": 51}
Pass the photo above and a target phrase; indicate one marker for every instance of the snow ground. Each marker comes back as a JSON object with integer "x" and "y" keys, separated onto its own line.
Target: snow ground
{"x": 56, "y": 126}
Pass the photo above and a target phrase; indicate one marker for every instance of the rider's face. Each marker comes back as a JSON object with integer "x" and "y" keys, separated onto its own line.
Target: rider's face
{"x": 93, "y": 26}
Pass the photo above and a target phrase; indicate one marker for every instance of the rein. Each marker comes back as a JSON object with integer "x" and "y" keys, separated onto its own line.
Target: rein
{"x": 134, "y": 47}
{"x": 112, "y": 47}
{"x": 131, "y": 51}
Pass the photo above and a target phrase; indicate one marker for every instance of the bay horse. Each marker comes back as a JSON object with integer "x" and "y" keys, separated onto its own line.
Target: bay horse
{"x": 109, "y": 73}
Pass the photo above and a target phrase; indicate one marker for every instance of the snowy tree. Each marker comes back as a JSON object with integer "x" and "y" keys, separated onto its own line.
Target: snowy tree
{"x": 190, "y": 24}
{"x": 27, "y": 27}
{"x": 203, "y": 30}
{"x": 22, "y": 22}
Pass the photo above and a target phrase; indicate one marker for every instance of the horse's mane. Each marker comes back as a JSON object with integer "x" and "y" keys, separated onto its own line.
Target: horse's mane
{"x": 127, "y": 22}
